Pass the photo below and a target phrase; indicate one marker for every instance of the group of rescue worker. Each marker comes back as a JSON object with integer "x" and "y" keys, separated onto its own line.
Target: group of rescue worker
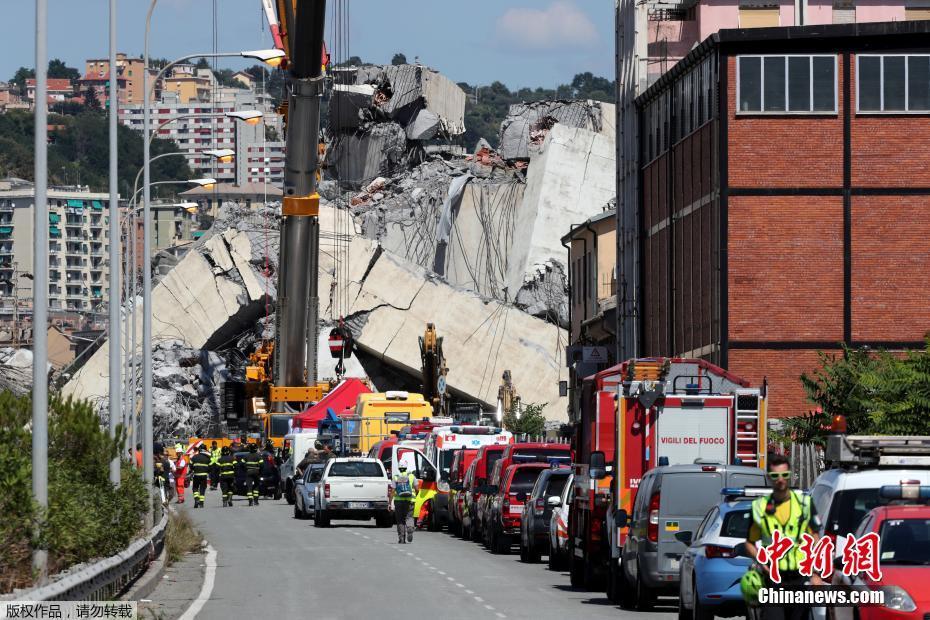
{"x": 214, "y": 467}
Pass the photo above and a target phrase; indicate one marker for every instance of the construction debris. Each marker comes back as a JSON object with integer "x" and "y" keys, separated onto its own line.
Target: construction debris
{"x": 376, "y": 111}
{"x": 16, "y": 370}
{"x": 527, "y": 124}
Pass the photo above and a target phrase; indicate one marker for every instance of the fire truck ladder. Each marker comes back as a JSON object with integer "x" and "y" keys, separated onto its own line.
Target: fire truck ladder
{"x": 749, "y": 406}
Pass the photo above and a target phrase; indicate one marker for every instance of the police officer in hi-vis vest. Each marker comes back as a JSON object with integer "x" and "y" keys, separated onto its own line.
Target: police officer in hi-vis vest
{"x": 792, "y": 514}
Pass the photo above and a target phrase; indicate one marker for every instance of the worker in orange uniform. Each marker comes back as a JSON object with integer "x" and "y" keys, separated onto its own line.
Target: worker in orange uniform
{"x": 180, "y": 471}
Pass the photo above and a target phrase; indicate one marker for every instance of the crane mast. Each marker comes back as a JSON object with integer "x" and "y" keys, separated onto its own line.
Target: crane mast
{"x": 295, "y": 352}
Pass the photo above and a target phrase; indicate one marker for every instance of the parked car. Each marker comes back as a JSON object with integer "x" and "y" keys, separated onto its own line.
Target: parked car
{"x": 466, "y": 495}
{"x": 475, "y": 497}
{"x": 904, "y": 552}
{"x": 305, "y": 491}
{"x": 524, "y": 452}
{"x": 844, "y": 494}
{"x": 671, "y": 500}
{"x": 558, "y": 528}
{"x": 461, "y": 462}
{"x": 537, "y": 512}
{"x": 505, "y": 511}
{"x": 352, "y": 488}
{"x": 711, "y": 568}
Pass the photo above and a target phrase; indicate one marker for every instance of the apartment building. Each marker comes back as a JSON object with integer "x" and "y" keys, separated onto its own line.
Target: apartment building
{"x": 592, "y": 299}
{"x": 265, "y": 163}
{"x": 785, "y": 203}
{"x": 78, "y": 246}
{"x": 130, "y": 75}
{"x": 200, "y": 126}
{"x": 651, "y": 37}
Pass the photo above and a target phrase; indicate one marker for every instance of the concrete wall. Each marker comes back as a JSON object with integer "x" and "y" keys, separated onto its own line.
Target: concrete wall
{"x": 569, "y": 181}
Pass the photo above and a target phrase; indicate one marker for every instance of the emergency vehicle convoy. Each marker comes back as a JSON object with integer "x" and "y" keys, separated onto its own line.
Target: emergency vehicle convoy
{"x": 639, "y": 415}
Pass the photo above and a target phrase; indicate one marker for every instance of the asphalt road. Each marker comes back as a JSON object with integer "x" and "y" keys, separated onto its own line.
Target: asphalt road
{"x": 269, "y": 564}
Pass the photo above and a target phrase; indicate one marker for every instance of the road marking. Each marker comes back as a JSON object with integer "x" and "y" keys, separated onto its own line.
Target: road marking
{"x": 450, "y": 578}
{"x": 500, "y": 615}
{"x": 489, "y": 608}
{"x": 479, "y": 599}
{"x": 459, "y": 585}
{"x": 440, "y": 572}
{"x": 469, "y": 591}
{"x": 206, "y": 589}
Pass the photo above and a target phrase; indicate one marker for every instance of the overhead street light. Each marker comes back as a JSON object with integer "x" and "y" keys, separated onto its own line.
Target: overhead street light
{"x": 271, "y": 57}
{"x": 224, "y": 156}
{"x": 205, "y": 183}
{"x": 274, "y": 58}
{"x": 252, "y": 117}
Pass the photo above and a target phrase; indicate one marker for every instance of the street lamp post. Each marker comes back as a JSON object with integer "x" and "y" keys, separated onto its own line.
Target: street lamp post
{"x": 272, "y": 57}
{"x": 114, "y": 294}
{"x": 40, "y": 285}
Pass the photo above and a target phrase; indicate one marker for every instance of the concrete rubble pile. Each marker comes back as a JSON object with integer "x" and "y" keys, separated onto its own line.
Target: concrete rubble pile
{"x": 494, "y": 226}
{"x": 217, "y": 291}
{"x": 186, "y": 392}
{"x": 527, "y": 124}
{"x": 382, "y": 118}
{"x": 16, "y": 370}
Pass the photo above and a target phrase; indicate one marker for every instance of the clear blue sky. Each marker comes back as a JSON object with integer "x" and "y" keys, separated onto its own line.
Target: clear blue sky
{"x": 518, "y": 42}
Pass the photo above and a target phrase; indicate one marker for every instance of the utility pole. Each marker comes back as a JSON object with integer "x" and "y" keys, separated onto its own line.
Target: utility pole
{"x": 113, "y": 293}
{"x": 40, "y": 285}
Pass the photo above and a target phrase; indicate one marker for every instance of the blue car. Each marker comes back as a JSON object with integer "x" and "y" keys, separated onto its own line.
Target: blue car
{"x": 711, "y": 568}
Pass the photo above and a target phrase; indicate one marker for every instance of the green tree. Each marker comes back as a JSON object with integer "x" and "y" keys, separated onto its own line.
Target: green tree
{"x": 202, "y": 63}
{"x": 526, "y": 419}
{"x": 352, "y": 61}
{"x": 399, "y": 59}
{"x": 879, "y": 394}
{"x": 86, "y": 517}
{"x": 91, "y": 100}
{"x": 79, "y": 144}
{"x": 57, "y": 69}
{"x": 19, "y": 78}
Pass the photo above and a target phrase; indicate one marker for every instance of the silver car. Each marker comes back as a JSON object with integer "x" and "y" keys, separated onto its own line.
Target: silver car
{"x": 305, "y": 491}
{"x": 558, "y": 529}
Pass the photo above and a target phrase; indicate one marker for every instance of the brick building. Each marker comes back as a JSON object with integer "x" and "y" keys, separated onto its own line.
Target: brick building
{"x": 785, "y": 199}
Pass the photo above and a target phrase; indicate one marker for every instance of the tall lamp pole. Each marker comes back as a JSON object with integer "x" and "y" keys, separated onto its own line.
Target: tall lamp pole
{"x": 114, "y": 293}
{"x": 40, "y": 284}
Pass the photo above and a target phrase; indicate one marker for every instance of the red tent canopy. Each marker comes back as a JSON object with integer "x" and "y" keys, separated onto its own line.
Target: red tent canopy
{"x": 341, "y": 398}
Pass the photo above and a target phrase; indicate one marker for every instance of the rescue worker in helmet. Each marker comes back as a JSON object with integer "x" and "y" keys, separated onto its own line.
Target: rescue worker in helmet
{"x": 792, "y": 514}
{"x": 227, "y": 466}
{"x": 200, "y": 467}
{"x": 404, "y": 486}
{"x": 253, "y": 469}
{"x": 215, "y": 454}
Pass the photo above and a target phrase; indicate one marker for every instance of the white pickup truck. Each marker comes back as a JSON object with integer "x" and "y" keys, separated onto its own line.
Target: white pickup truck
{"x": 353, "y": 488}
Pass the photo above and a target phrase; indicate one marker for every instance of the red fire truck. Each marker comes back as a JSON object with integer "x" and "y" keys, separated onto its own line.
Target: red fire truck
{"x": 638, "y": 415}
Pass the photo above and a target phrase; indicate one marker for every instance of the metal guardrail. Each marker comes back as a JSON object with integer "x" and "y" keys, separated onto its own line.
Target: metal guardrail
{"x": 102, "y": 580}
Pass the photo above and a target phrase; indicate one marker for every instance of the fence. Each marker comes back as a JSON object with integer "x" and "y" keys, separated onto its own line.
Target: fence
{"x": 103, "y": 580}
{"x": 806, "y": 463}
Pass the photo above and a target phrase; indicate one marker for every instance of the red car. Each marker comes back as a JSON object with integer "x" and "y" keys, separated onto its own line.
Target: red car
{"x": 904, "y": 557}
{"x": 506, "y": 508}
{"x": 461, "y": 462}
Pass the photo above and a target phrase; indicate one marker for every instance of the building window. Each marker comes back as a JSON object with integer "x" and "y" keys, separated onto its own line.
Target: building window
{"x": 916, "y": 13}
{"x": 758, "y": 16}
{"x": 899, "y": 83}
{"x": 780, "y": 84}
